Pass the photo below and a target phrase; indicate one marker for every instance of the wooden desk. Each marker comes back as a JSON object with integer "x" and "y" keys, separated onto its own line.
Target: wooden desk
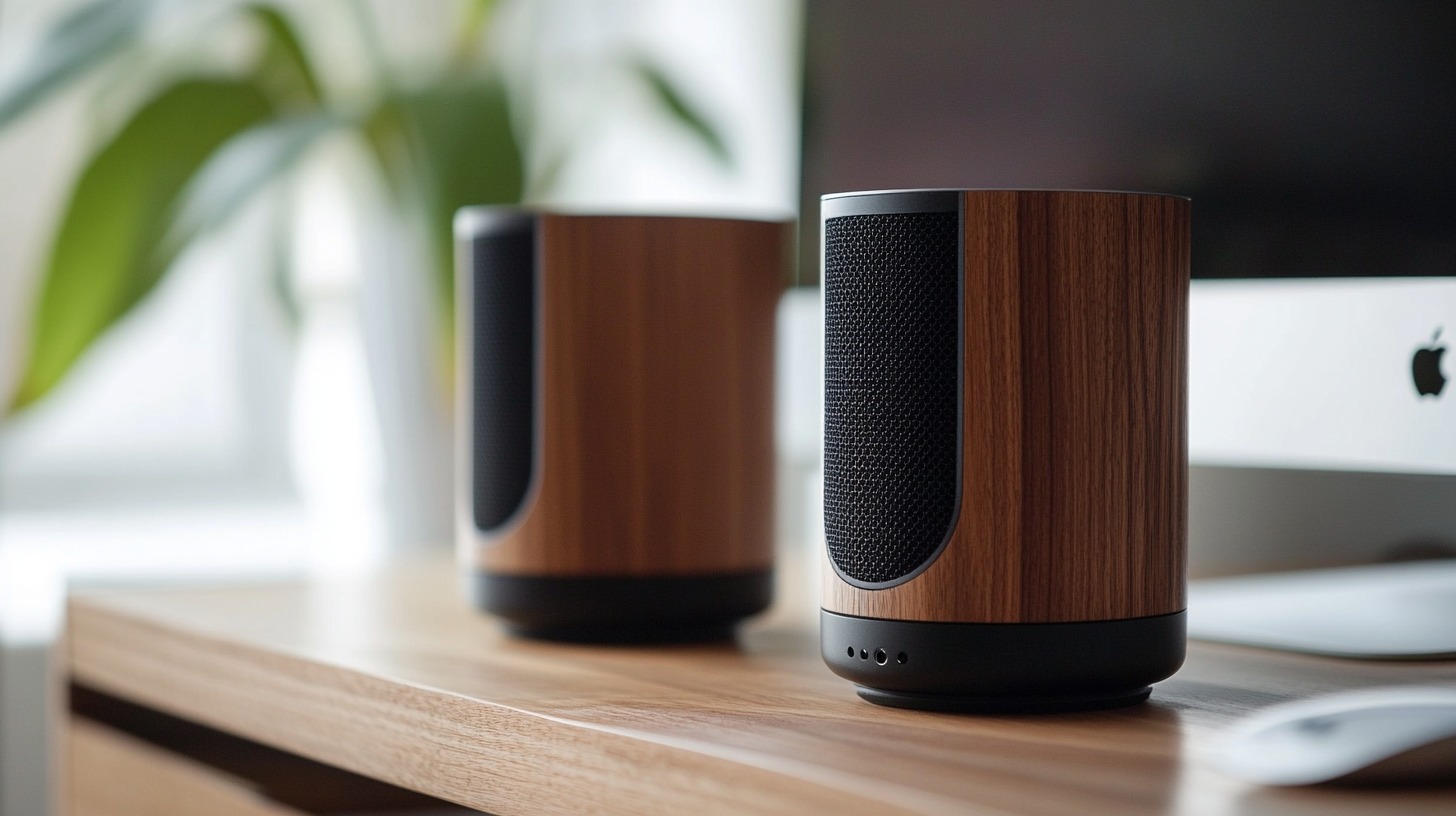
{"x": 395, "y": 679}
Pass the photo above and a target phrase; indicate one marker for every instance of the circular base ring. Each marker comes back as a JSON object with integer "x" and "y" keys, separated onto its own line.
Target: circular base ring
{"x": 1003, "y": 705}
{"x": 626, "y": 635}
{"x": 1003, "y": 667}
{"x": 623, "y": 608}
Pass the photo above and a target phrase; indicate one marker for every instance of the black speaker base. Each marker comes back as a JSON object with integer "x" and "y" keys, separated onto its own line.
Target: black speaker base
{"x": 623, "y": 609}
{"x": 1003, "y": 705}
{"x": 627, "y": 635}
{"x": 1003, "y": 667}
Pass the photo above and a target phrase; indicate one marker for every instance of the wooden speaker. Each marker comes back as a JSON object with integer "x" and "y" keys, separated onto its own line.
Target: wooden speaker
{"x": 616, "y": 420}
{"x": 1005, "y": 454}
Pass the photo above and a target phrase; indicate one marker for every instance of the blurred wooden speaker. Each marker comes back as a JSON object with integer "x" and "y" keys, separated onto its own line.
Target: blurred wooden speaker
{"x": 616, "y": 421}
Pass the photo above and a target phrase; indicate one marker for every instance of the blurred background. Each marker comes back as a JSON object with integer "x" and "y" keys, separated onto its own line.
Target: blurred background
{"x": 225, "y": 263}
{"x": 1314, "y": 137}
{"x": 224, "y": 255}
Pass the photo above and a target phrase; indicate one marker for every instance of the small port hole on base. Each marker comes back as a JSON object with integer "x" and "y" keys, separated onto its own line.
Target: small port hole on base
{"x": 850, "y": 652}
{"x": 902, "y": 658}
{"x": 880, "y": 657}
{"x": 864, "y": 654}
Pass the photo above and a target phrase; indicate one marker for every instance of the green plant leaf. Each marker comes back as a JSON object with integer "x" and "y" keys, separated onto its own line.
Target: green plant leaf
{"x": 474, "y": 18}
{"x": 284, "y": 67}
{"x": 250, "y": 160}
{"x": 242, "y": 167}
{"x": 441, "y": 149}
{"x": 110, "y": 250}
{"x": 444, "y": 148}
{"x": 79, "y": 42}
{"x": 673, "y": 101}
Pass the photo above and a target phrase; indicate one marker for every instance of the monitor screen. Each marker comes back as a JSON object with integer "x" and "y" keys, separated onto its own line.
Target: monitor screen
{"x": 1315, "y": 138}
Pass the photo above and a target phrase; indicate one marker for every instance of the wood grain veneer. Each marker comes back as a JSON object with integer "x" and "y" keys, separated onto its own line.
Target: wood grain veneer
{"x": 657, "y": 400}
{"x": 1074, "y": 474}
{"x": 395, "y": 677}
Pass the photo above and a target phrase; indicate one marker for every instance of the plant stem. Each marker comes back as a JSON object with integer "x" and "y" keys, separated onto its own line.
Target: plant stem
{"x": 473, "y": 22}
{"x": 373, "y": 44}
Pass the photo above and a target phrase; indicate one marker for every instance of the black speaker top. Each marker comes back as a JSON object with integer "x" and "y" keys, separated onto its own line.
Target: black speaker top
{"x": 880, "y": 202}
{"x": 938, "y": 199}
{"x": 472, "y": 222}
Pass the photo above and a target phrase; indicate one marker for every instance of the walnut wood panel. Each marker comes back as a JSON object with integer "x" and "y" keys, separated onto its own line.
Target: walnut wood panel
{"x": 1074, "y": 479}
{"x": 396, "y": 678}
{"x": 657, "y": 440}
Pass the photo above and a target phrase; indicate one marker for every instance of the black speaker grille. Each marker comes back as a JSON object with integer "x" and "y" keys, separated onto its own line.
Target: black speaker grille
{"x": 891, "y": 378}
{"x": 503, "y": 366}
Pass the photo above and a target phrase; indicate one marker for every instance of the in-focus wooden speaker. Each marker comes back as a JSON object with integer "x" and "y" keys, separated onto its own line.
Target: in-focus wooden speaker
{"x": 1005, "y": 446}
{"x": 616, "y": 420}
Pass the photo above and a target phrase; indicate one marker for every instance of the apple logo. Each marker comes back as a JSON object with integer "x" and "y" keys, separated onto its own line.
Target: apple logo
{"x": 1426, "y": 368}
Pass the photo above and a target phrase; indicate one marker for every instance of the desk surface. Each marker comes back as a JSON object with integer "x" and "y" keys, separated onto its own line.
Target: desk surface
{"x": 395, "y": 678}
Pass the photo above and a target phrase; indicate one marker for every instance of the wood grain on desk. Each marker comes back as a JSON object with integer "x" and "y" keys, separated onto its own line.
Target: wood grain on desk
{"x": 395, "y": 678}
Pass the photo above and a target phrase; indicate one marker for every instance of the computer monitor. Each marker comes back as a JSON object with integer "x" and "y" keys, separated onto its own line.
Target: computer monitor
{"x": 1322, "y": 430}
{"x": 1314, "y": 140}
